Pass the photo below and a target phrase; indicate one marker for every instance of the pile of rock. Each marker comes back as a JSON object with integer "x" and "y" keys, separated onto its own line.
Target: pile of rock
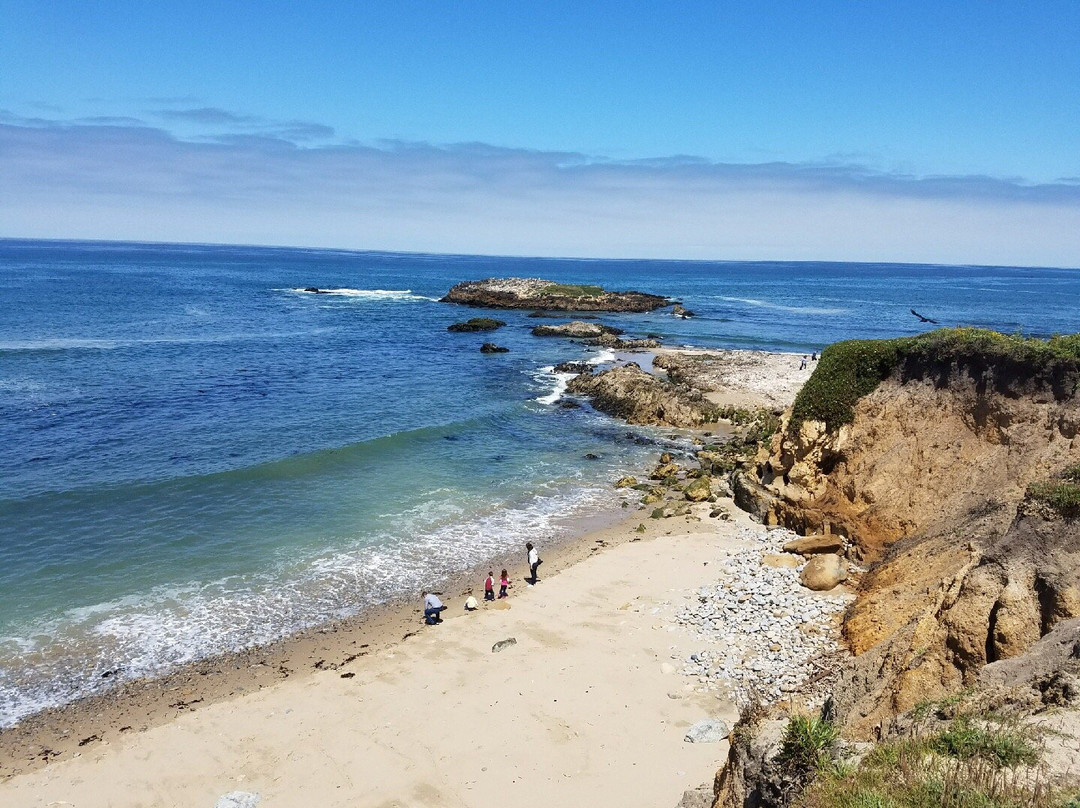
{"x": 760, "y": 629}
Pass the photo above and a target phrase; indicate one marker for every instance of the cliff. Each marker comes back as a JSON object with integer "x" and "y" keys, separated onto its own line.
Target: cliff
{"x": 940, "y": 459}
{"x": 950, "y": 465}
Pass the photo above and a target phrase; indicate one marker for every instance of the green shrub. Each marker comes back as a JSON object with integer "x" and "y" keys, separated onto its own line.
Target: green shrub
{"x": 1063, "y": 496}
{"x": 964, "y": 765}
{"x": 806, "y": 742}
{"x": 849, "y": 370}
{"x": 1001, "y": 746}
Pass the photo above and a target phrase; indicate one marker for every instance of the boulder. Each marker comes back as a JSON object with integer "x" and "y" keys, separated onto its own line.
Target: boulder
{"x": 699, "y": 490}
{"x": 823, "y": 572}
{"x": 663, "y": 470}
{"x": 780, "y": 560}
{"x": 815, "y": 545}
{"x": 502, "y": 645}
{"x": 626, "y": 482}
{"x": 711, "y": 730}
{"x": 491, "y": 347}
{"x": 238, "y": 799}
{"x": 476, "y": 324}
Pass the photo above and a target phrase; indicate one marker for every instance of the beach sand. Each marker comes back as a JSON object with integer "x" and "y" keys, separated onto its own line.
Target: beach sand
{"x": 581, "y": 710}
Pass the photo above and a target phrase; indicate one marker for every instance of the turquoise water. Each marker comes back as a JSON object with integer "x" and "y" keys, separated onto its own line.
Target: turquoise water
{"x": 195, "y": 456}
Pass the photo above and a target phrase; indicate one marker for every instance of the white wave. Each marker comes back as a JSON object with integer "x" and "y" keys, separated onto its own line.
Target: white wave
{"x": 606, "y": 355}
{"x": 367, "y": 294}
{"x": 63, "y": 344}
{"x": 561, "y": 380}
{"x": 764, "y": 304}
{"x": 58, "y": 344}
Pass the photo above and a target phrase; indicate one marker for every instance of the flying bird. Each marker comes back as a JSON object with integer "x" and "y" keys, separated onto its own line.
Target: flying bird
{"x": 924, "y": 319}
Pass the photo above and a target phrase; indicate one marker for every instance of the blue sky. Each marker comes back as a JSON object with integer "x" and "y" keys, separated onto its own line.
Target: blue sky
{"x": 861, "y": 130}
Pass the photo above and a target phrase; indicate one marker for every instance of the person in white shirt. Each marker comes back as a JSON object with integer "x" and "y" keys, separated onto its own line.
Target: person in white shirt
{"x": 433, "y": 608}
{"x": 534, "y": 562}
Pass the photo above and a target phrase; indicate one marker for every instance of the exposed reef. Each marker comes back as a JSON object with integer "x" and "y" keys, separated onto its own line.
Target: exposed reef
{"x": 476, "y": 324}
{"x": 538, "y": 294}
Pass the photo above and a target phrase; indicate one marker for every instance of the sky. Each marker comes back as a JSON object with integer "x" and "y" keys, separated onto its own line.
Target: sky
{"x": 881, "y": 131}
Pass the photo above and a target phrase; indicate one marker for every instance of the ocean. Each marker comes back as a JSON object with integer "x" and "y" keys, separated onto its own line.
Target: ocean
{"x": 197, "y": 456}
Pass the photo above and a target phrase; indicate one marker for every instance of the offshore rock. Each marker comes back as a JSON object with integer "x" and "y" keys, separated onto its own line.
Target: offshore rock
{"x": 476, "y": 324}
{"x": 538, "y": 294}
{"x": 572, "y": 367}
{"x": 577, "y": 328}
{"x": 609, "y": 340}
{"x": 491, "y": 347}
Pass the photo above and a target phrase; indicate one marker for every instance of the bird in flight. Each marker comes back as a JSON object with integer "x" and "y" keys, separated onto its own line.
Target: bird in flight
{"x": 924, "y": 319}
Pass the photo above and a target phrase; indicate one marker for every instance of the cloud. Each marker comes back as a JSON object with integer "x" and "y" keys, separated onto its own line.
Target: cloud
{"x": 214, "y": 116}
{"x": 261, "y": 184}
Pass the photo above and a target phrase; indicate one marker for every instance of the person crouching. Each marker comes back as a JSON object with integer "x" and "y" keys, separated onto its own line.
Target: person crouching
{"x": 433, "y": 608}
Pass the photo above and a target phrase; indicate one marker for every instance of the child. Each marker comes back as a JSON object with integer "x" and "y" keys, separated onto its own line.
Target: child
{"x": 504, "y": 581}
{"x": 489, "y": 586}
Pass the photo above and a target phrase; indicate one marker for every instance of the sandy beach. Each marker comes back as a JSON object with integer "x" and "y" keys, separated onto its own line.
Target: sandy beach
{"x": 583, "y": 709}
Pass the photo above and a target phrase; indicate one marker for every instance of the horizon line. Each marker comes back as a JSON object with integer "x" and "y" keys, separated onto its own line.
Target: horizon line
{"x": 376, "y": 251}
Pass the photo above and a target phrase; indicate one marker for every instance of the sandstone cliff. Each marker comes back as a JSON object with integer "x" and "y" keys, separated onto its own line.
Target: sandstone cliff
{"x": 923, "y": 454}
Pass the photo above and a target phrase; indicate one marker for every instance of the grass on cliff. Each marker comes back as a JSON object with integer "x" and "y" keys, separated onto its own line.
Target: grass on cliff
{"x": 849, "y": 370}
{"x": 807, "y": 743}
{"x": 970, "y": 762}
{"x": 1062, "y": 495}
{"x": 572, "y": 290}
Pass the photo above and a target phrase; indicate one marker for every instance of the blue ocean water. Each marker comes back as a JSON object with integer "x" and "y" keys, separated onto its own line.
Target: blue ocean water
{"x": 196, "y": 456}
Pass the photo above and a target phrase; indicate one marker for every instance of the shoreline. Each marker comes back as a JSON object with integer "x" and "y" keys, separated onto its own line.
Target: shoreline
{"x": 56, "y": 733}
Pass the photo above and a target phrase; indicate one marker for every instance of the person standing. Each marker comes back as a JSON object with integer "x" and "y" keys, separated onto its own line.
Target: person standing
{"x": 504, "y": 581}
{"x": 489, "y": 586}
{"x": 534, "y": 562}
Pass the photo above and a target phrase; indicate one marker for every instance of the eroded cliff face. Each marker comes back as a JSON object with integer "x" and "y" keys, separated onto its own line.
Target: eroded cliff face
{"x": 928, "y": 485}
{"x": 922, "y": 453}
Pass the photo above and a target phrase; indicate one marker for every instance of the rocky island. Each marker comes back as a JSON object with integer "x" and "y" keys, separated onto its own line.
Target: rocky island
{"x": 538, "y": 294}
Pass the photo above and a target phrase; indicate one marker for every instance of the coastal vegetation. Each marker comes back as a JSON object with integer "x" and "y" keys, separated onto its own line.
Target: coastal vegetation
{"x": 851, "y": 369}
{"x": 970, "y": 761}
{"x": 572, "y": 290}
{"x": 1062, "y": 494}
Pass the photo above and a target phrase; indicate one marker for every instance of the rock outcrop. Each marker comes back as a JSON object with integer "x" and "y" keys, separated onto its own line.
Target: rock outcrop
{"x": 491, "y": 347}
{"x": 535, "y": 293}
{"x": 611, "y": 341}
{"x": 638, "y": 397}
